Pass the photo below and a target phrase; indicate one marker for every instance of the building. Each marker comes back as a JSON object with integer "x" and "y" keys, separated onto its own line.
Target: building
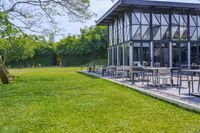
{"x": 153, "y": 33}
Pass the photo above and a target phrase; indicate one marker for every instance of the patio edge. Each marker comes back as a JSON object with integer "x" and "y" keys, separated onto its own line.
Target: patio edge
{"x": 183, "y": 104}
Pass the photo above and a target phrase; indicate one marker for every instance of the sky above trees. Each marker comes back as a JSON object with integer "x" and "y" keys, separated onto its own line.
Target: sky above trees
{"x": 98, "y": 6}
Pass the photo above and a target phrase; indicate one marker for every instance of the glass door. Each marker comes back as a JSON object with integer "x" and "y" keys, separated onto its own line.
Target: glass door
{"x": 195, "y": 55}
{"x": 183, "y": 50}
{"x": 157, "y": 54}
{"x": 165, "y": 55}
{"x": 145, "y": 54}
{"x": 137, "y": 53}
{"x": 175, "y": 54}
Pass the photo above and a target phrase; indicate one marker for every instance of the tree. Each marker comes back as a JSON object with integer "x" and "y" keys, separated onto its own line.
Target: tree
{"x": 6, "y": 27}
{"x": 29, "y": 13}
{"x": 90, "y": 41}
{"x": 19, "y": 49}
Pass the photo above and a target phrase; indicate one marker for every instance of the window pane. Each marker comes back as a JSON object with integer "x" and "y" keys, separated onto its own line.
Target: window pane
{"x": 144, "y": 19}
{"x": 192, "y": 23}
{"x": 135, "y": 28}
{"x": 134, "y": 19}
{"x": 163, "y": 20}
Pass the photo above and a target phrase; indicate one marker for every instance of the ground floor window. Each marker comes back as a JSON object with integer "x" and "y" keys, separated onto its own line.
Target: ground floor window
{"x": 115, "y": 55}
{"x": 126, "y": 54}
{"x": 180, "y": 54}
{"x": 161, "y": 54}
{"x": 145, "y": 54}
{"x": 120, "y": 51}
{"x": 141, "y": 54}
{"x": 195, "y": 55}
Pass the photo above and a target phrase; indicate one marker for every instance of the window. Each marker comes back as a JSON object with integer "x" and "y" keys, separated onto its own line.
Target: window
{"x": 120, "y": 29}
{"x": 160, "y": 26}
{"x": 140, "y": 26}
{"x": 115, "y": 32}
{"x": 110, "y": 35}
{"x": 126, "y": 27}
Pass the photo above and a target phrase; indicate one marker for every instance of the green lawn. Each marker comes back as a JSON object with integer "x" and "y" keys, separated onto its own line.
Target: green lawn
{"x": 62, "y": 100}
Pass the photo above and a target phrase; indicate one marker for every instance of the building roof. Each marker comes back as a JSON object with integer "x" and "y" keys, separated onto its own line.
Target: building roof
{"x": 123, "y": 5}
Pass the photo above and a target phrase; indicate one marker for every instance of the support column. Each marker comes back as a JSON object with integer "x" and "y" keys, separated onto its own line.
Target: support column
{"x": 131, "y": 54}
{"x": 170, "y": 54}
{"x": 189, "y": 54}
{"x": 151, "y": 53}
{"x": 118, "y": 56}
{"x": 123, "y": 54}
{"x": 112, "y": 56}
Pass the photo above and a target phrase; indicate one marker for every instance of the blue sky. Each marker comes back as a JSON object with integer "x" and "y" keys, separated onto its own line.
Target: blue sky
{"x": 97, "y": 6}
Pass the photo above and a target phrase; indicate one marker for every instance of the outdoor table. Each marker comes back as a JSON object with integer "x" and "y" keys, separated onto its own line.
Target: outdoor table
{"x": 194, "y": 71}
{"x": 155, "y": 72}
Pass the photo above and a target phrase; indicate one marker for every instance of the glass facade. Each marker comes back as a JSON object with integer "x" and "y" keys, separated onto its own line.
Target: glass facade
{"x": 158, "y": 38}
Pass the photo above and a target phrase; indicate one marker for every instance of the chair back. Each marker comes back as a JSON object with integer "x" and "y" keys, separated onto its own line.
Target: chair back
{"x": 157, "y": 64}
{"x": 136, "y": 69}
{"x": 164, "y": 72}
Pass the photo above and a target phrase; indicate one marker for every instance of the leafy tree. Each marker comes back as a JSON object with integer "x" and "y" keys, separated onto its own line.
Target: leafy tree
{"x": 21, "y": 48}
{"x": 91, "y": 41}
{"x": 6, "y": 27}
{"x": 29, "y": 13}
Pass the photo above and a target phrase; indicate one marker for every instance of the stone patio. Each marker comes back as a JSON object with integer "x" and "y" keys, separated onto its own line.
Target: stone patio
{"x": 166, "y": 93}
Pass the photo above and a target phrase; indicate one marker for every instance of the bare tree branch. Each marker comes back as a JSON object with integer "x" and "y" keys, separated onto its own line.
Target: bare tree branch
{"x": 33, "y": 13}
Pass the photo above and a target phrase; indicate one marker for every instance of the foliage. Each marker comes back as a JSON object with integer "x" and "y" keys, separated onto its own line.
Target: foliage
{"x": 32, "y": 14}
{"x": 6, "y": 27}
{"x": 74, "y": 50}
{"x": 91, "y": 40}
{"x": 62, "y": 100}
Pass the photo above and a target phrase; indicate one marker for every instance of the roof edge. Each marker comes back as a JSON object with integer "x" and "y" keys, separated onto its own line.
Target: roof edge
{"x": 118, "y": 3}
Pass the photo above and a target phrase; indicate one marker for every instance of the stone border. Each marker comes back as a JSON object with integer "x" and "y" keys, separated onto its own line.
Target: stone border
{"x": 180, "y": 103}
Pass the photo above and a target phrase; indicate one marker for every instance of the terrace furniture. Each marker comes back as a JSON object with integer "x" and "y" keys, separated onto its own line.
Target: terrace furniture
{"x": 111, "y": 70}
{"x": 147, "y": 76}
{"x": 165, "y": 76}
{"x": 136, "y": 72}
{"x": 175, "y": 73}
{"x": 119, "y": 72}
{"x": 189, "y": 73}
{"x": 155, "y": 73}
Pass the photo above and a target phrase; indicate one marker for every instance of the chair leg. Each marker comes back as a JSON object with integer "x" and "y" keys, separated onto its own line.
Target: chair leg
{"x": 192, "y": 86}
{"x": 189, "y": 86}
{"x": 180, "y": 87}
{"x": 199, "y": 84}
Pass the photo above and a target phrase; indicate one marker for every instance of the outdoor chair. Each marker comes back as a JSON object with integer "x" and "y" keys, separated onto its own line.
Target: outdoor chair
{"x": 136, "y": 72}
{"x": 119, "y": 72}
{"x": 147, "y": 76}
{"x": 165, "y": 76}
{"x": 184, "y": 76}
{"x": 110, "y": 70}
{"x": 189, "y": 77}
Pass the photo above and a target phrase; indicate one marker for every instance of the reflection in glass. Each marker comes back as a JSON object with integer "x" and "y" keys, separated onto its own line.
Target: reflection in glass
{"x": 136, "y": 56}
{"x": 126, "y": 55}
{"x": 115, "y": 56}
{"x": 183, "y": 47}
{"x": 120, "y": 48}
{"x": 145, "y": 54}
{"x": 175, "y": 54}
{"x": 156, "y": 52}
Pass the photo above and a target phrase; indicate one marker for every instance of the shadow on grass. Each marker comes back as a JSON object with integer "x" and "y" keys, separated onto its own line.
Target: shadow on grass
{"x": 87, "y": 75}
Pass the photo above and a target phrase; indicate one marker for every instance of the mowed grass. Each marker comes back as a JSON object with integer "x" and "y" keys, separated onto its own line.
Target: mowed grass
{"x": 63, "y": 100}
